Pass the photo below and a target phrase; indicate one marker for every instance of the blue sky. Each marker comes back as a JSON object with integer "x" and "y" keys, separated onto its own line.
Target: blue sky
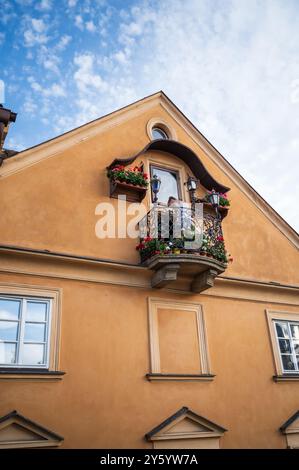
{"x": 232, "y": 66}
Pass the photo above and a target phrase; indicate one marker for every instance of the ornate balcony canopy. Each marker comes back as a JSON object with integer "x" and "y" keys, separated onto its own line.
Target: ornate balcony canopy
{"x": 185, "y": 154}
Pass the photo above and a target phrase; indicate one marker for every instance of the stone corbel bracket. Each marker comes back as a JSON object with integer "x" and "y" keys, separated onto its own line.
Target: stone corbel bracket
{"x": 164, "y": 275}
{"x": 203, "y": 271}
{"x": 204, "y": 280}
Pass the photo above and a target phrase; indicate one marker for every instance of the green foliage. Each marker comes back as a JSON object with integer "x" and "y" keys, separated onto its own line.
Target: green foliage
{"x": 134, "y": 176}
{"x": 218, "y": 251}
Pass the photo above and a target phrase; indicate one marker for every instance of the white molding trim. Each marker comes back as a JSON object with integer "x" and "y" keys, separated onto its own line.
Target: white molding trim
{"x": 154, "y": 304}
{"x": 164, "y": 125}
{"x": 55, "y": 266}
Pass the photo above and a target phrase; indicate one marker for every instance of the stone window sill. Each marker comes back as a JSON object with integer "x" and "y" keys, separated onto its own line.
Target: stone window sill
{"x": 30, "y": 375}
{"x": 286, "y": 378}
{"x": 180, "y": 377}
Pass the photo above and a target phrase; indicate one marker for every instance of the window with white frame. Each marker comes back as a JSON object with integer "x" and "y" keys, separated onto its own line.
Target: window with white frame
{"x": 24, "y": 331}
{"x": 170, "y": 183}
{"x": 287, "y": 335}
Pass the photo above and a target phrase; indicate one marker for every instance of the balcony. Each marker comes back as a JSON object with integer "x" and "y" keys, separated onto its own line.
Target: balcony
{"x": 183, "y": 244}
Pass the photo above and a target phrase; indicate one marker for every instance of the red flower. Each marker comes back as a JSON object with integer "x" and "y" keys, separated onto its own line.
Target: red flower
{"x": 140, "y": 246}
{"x": 145, "y": 176}
{"x": 220, "y": 239}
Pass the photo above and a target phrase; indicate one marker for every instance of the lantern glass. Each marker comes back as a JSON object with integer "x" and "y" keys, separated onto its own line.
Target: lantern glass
{"x": 192, "y": 185}
{"x": 214, "y": 198}
{"x": 155, "y": 183}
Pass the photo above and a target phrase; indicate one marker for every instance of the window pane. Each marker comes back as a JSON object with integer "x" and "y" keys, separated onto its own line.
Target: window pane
{"x": 169, "y": 184}
{"x": 35, "y": 332}
{"x": 33, "y": 354}
{"x": 282, "y": 330}
{"x": 157, "y": 133}
{"x": 285, "y": 346}
{"x": 7, "y": 353}
{"x": 295, "y": 331}
{"x": 296, "y": 346}
{"x": 8, "y": 330}
{"x": 287, "y": 362}
{"x": 9, "y": 309}
{"x": 36, "y": 311}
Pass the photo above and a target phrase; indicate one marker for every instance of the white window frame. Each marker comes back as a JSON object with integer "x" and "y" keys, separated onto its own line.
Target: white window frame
{"x": 173, "y": 171}
{"x": 291, "y": 340}
{"x": 21, "y": 329}
{"x": 171, "y": 167}
{"x": 283, "y": 316}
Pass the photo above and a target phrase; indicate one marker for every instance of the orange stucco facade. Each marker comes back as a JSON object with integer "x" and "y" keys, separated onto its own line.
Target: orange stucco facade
{"x": 49, "y": 198}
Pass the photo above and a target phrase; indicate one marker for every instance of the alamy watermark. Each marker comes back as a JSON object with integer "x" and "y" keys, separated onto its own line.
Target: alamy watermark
{"x": 133, "y": 220}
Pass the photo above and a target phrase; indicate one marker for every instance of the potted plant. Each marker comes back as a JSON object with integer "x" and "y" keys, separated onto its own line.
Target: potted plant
{"x": 223, "y": 200}
{"x": 204, "y": 246}
{"x": 131, "y": 182}
{"x": 218, "y": 250}
{"x": 178, "y": 245}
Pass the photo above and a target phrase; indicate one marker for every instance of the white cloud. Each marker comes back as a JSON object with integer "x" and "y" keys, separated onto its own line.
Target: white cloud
{"x": 14, "y": 143}
{"x": 63, "y": 42}
{"x": 54, "y": 91}
{"x": 79, "y": 22}
{"x": 72, "y": 3}
{"x": 50, "y": 57}
{"x": 122, "y": 56}
{"x": 51, "y": 64}
{"x": 90, "y": 26}
{"x": 32, "y": 39}
{"x": 38, "y": 25}
{"x": 87, "y": 80}
{"x": 35, "y": 34}
{"x": 29, "y": 106}
{"x": 44, "y": 5}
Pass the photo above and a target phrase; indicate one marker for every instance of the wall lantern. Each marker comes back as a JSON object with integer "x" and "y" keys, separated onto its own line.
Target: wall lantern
{"x": 214, "y": 198}
{"x": 191, "y": 184}
{"x": 155, "y": 185}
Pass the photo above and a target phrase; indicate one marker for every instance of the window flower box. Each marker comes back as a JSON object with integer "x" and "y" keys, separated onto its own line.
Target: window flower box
{"x": 223, "y": 207}
{"x": 131, "y": 182}
{"x": 132, "y": 192}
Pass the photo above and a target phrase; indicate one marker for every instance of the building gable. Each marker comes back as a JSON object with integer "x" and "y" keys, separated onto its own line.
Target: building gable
{"x": 185, "y": 428}
{"x": 291, "y": 431}
{"x": 87, "y": 131}
{"x": 16, "y": 431}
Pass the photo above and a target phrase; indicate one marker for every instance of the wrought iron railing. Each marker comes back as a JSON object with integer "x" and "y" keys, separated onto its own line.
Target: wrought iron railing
{"x": 181, "y": 230}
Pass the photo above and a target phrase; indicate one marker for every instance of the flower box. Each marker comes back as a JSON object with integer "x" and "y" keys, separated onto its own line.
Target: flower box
{"x": 129, "y": 182}
{"x": 223, "y": 210}
{"x": 132, "y": 192}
